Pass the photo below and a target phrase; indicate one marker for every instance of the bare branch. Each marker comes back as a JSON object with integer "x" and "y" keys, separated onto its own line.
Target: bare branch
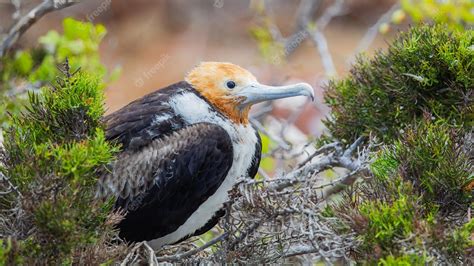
{"x": 319, "y": 39}
{"x": 181, "y": 256}
{"x": 281, "y": 142}
{"x": 266, "y": 226}
{"x": 321, "y": 150}
{"x": 33, "y": 15}
{"x": 17, "y": 5}
{"x": 321, "y": 43}
{"x": 333, "y": 11}
{"x": 337, "y": 185}
{"x": 152, "y": 259}
{"x": 7, "y": 184}
{"x": 129, "y": 258}
{"x": 337, "y": 158}
{"x": 372, "y": 32}
{"x": 345, "y": 160}
{"x": 305, "y": 10}
{"x": 301, "y": 174}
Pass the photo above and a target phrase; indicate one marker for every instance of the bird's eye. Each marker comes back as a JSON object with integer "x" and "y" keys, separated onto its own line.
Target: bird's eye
{"x": 230, "y": 84}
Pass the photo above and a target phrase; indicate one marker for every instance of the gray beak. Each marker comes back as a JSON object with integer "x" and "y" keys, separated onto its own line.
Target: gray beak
{"x": 259, "y": 93}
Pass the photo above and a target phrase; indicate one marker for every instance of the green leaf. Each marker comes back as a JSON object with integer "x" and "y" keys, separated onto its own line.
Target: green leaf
{"x": 23, "y": 63}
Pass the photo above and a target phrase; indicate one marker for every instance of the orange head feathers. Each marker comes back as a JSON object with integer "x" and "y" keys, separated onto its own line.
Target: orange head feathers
{"x": 233, "y": 90}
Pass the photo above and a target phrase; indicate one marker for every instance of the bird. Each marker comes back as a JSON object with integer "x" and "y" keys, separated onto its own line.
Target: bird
{"x": 183, "y": 148}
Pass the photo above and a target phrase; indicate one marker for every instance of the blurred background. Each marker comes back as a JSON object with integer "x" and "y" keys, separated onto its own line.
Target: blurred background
{"x": 155, "y": 43}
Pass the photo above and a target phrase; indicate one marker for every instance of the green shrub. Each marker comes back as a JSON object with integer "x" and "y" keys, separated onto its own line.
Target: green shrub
{"x": 416, "y": 200}
{"x": 461, "y": 240}
{"x": 387, "y": 221}
{"x": 55, "y": 150}
{"x": 417, "y": 98}
{"x": 431, "y": 156}
{"x": 381, "y": 213}
{"x": 428, "y": 68}
{"x": 404, "y": 260}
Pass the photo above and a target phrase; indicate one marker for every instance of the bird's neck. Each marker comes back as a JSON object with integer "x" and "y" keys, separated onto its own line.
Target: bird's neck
{"x": 229, "y": 107}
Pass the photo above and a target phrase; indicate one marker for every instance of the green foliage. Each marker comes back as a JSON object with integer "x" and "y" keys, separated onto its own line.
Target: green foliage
{"x": 455, "y": 13}
{"x": 55, "y": 149}
{"x": 8, "y": 105}
{"x": 404, "y": 260}
{"x": 419, "y": 183}
{"x": 271, "y": 50}
{"x": 427, "y": 68}
{"x": 79, "y": 43}
{"x": 267, "y": 163}
{"x": 417, "y": 98}
{"x": 38, "y": 66}
{"x": 461, "y": 239}
{"x": 5, "y": 251}
{"x": 23, "y": 63}
{"x": 387, "y": 221}
{"x": 382, "y": 213}
{"x": 432, "y": 158}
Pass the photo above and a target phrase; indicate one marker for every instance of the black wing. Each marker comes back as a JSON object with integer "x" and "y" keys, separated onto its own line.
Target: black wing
{"x": 145, "y": 119}
{"x": 253, "y": 169}
{"x": 251, "y": 172}
{"x": 161, "y": 185}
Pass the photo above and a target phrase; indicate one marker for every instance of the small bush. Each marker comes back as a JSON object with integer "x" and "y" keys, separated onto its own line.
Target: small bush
{"x": 417, "y": 200}
{"x": 381, "y": 214}
{"x": 54, "y": 151}
{"x": 417, "y": 99}
{"x": 404, "y": 260}
{"x": 428, "y": 68}
{"x": 431, "y": 156}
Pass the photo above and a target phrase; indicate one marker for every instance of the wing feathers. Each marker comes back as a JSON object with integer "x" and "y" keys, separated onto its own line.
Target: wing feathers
{"x": 134, "y": 171}
{"x": 162, "y": 184}
{"x": 140, "y": 122}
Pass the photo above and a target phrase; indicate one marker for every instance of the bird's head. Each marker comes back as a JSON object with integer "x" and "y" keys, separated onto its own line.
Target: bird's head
{"x": 233, "y": 90}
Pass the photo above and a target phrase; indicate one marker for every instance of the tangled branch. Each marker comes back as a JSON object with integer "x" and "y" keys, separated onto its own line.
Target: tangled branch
{"x": 337, "y": 157}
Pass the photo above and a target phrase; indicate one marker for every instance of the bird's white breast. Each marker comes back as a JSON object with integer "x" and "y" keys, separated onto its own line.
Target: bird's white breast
{"x": 194, "y": 110}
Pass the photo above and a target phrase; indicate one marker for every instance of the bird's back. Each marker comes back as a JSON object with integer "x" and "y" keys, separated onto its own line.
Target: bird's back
{"x": 146, "y": 119}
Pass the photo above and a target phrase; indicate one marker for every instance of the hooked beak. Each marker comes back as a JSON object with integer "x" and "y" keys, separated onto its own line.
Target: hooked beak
{"x": 257, "y": 93}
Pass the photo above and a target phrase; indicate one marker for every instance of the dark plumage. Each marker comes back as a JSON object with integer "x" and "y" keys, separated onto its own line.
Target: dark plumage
{"x": 133, "y": 126}
{"x": 201, "y": 161}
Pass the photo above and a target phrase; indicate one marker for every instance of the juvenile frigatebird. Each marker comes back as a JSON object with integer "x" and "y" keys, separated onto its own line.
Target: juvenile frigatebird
{"x": 183, "y": 148}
